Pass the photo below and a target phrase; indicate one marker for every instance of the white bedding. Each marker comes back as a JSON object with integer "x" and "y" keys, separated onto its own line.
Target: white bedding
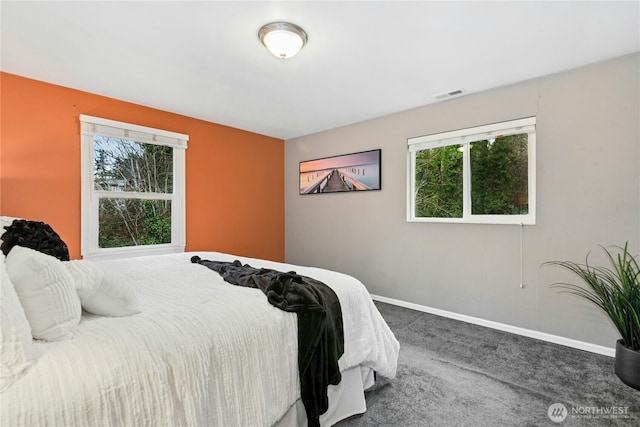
{"x": 202, "y": 352}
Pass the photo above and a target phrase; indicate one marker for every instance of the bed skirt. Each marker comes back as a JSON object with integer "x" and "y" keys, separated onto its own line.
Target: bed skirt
{"x": 345, "y": 399}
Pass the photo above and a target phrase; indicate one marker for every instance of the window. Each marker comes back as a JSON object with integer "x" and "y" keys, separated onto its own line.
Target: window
{"x": 133, "y": 189}
{"x": 484, "y": 174}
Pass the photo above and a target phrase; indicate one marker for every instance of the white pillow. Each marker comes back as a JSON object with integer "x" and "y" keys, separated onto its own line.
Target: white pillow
{"x": 47, "y": 293}
{"x": 102, "y": 291}
{"x": 16, "y": 349}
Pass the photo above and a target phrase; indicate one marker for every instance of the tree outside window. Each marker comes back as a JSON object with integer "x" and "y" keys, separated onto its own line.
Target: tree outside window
{"x": 122, "y": 165}
{"x": 133, "y": 189}
{"x": 483, "y": 174}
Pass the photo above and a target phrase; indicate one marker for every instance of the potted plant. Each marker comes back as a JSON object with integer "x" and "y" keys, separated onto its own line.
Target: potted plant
{"x": 616, "y": 290}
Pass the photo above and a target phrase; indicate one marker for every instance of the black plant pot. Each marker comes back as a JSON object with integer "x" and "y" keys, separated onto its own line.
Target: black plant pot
{"x": 627, "y": 366}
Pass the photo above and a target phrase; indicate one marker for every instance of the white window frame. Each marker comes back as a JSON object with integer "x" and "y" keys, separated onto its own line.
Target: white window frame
{"x": 95, "y": 126}
{"x": 464, "y": 137}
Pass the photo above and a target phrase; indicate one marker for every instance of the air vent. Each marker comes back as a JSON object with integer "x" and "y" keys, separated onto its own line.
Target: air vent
{"x": 450, "y": 94}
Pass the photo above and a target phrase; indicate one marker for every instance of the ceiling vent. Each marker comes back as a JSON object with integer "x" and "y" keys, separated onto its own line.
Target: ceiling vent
{"x": 450, "y": 94}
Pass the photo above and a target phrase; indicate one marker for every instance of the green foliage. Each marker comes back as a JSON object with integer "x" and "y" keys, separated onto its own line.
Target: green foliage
{"x": 499, "y": 178}
{"x": 122, "y": 165}
{"x": 157, "y": 226}
{"x": 131, "y": 222}
{"x": 439, "y": 182}
{"x": 615, "y": 290}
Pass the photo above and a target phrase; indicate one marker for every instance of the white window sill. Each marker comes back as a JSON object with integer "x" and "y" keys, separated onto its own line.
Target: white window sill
{"x": 132, "y": 251}
{"x": 493, "y": 221}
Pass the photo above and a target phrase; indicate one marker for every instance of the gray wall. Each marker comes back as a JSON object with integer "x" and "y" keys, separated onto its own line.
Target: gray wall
{"x": 588, "y": 194}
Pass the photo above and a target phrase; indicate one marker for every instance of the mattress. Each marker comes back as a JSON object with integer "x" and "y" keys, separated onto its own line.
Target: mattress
{"x": 202, "y": 352}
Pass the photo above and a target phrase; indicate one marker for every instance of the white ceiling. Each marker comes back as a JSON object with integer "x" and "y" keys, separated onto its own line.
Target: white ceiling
{"x": 362, "y": 60}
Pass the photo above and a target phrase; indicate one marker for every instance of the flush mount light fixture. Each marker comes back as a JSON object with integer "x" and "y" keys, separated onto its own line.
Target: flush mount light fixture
{"x": 283, "y": 39}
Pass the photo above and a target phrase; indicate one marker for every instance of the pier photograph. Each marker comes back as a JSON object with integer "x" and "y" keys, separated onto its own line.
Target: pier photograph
{"x": 349, "y": 172}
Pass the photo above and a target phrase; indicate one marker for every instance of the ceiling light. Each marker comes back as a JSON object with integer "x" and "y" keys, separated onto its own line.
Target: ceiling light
{"x": 284, "y": 40}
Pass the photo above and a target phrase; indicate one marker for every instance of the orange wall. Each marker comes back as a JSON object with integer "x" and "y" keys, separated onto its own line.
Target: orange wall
{"x": 234, "y": 179}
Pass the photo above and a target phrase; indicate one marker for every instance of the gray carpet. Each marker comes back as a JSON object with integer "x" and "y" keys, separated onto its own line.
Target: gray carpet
{"x": 452, "y": 373}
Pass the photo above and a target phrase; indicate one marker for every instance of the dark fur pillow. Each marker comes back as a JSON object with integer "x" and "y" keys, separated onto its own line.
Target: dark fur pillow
{"x": 35, "y": 235}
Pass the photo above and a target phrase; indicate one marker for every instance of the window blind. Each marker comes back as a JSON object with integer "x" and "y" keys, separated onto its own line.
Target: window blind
{"x": 92, "y": 126}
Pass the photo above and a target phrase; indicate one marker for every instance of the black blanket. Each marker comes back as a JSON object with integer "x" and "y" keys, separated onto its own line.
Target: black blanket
{"x": 320, "y": 331}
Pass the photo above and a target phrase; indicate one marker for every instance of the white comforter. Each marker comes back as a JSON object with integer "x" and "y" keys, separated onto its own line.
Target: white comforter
{"x": 202, "y": 353}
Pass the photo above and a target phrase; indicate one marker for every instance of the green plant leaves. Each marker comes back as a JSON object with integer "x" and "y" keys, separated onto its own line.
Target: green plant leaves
{"x": 615, "y": 289}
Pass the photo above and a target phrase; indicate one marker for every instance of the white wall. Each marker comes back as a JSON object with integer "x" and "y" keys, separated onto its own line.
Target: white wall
{"x": 588, "y": 192}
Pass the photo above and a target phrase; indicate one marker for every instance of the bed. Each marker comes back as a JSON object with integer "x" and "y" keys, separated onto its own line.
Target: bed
{"x": 200, "y": 352}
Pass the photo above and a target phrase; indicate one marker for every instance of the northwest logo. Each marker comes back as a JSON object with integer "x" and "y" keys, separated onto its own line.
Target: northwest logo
{"x": 557, "y": 412}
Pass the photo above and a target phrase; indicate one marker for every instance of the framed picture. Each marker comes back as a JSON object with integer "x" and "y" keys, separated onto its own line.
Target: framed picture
{"x": 349, "y": 172}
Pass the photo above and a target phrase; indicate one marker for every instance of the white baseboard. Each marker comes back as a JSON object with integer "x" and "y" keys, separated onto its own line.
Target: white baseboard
{"x": 580, "y": 345}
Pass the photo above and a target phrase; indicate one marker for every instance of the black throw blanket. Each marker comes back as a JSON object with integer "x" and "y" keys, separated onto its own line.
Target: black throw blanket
{"x": 320, "y": 333}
